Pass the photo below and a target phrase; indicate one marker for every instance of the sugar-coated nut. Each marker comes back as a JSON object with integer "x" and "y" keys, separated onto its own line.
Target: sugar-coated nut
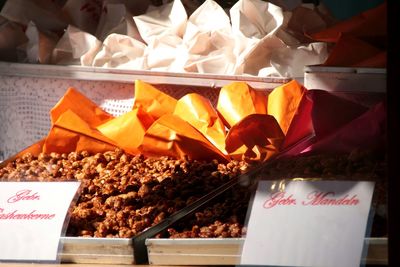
{"x": 121, "y": 195}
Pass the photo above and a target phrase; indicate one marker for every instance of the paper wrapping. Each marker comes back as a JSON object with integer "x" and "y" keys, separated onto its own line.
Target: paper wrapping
{"x": 79, "y": 104}
{"x": 169, "y": 19}
{"x": 335, "y": 125}
{"x": 152, "y": 101}
{"x": 76, "y": 46}
{"x": 172, "y": 136}
{"x": 198, "y": 112}
{"x": 255, "y": 38}
{"x": 240, "y": 94}
{"x": 116, "y": 18}
{"x": 241, "y": 127}
{"x": 366, "y": 132}
{"x": 359, "y": 41}
{"x": 284, "y": 102}
{"x": 119, "y": 51}
{"x": 71, "y": 133}
{"x": 127, "y": 130}
{"x": 257, "y": 137}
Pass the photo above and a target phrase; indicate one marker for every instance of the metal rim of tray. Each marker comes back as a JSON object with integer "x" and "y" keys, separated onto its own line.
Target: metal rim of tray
{"x": 123, "y": 75}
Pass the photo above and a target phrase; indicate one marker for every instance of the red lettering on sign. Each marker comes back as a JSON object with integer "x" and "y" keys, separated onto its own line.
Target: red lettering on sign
{"x": 279, "y": 199}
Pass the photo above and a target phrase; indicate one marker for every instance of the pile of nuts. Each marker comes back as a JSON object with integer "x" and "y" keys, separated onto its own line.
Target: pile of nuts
{"x": 121, "y": 195}
{"x": 226, "y": 218}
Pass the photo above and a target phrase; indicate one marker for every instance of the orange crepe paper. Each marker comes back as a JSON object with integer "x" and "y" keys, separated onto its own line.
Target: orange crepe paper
{"x": 172, "y": 136}
{"x": 127, "y": 130}
{"x": 284, "y": 102}
{"x": 80, "y": 105}
{"x": 259, "y": 134}
{"x": 71, "y": 133}
{"x": 199, "y": 112}
{"x": 237, "y": 100}
{"x": 152, "y": 101}
{"x": 372, "y": 22}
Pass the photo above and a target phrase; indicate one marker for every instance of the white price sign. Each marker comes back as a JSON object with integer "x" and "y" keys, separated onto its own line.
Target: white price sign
{"x": 308, "y": 223}
{"x": 32, "y": 215}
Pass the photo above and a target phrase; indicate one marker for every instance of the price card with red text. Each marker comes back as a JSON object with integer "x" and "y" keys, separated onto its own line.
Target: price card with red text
{"x": 308, "y": 223}
{"x": 32, "y": 216}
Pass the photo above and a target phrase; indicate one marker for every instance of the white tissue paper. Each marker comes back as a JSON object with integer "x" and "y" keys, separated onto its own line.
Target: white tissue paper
{"x": 169, "y": 19}
{"x": 166, "y": 53}
{"x": 255, "y": 37}
{"x": 290, "y": 61}
{"x": 116, "y": 18}
{"x": 120, "y": 51}
{"x": 76, "y": 47}
{"x": 209, "y": 42}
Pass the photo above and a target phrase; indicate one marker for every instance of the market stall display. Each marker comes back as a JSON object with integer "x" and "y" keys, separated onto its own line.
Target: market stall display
{"x": 168, "y": 164}
{"x": 125, "y": 193}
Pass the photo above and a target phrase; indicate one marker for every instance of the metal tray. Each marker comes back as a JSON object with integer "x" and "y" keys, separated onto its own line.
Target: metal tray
{"x": 96, "y": 250}
{"x": 205, "y": 251}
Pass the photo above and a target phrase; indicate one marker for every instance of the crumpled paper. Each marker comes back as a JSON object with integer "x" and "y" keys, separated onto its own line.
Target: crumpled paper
{"x": 256, "y": 38}
{"x": 251, "y": 39}
{"x": 172, "y": 136}
{"x": 199, "y": 112}
{"x": 153, "y": 101}
{"x": 120, "y": 51}
{"x": 160, "y": 125}
{"x": 71, "y": 133}
{"x": 359, "y": 41}
{"x": 76, "y": 46}
{"x": 116, "y": 18}
{"x": 285, "y": 60}
{"x": 240, "y": 94}
{"x": 169, "y": 19}
{"x": 128, "y": 129}
{"x": 81, "y": 105}
{"x": 257, "y": 137}
{"x": 284, "y": 102}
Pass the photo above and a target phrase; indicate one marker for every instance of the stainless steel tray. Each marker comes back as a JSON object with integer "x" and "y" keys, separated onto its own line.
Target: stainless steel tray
{"x": 120, "y": 75}
{"x": 227, "y": 251}
{"x": 96, "y": 250}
